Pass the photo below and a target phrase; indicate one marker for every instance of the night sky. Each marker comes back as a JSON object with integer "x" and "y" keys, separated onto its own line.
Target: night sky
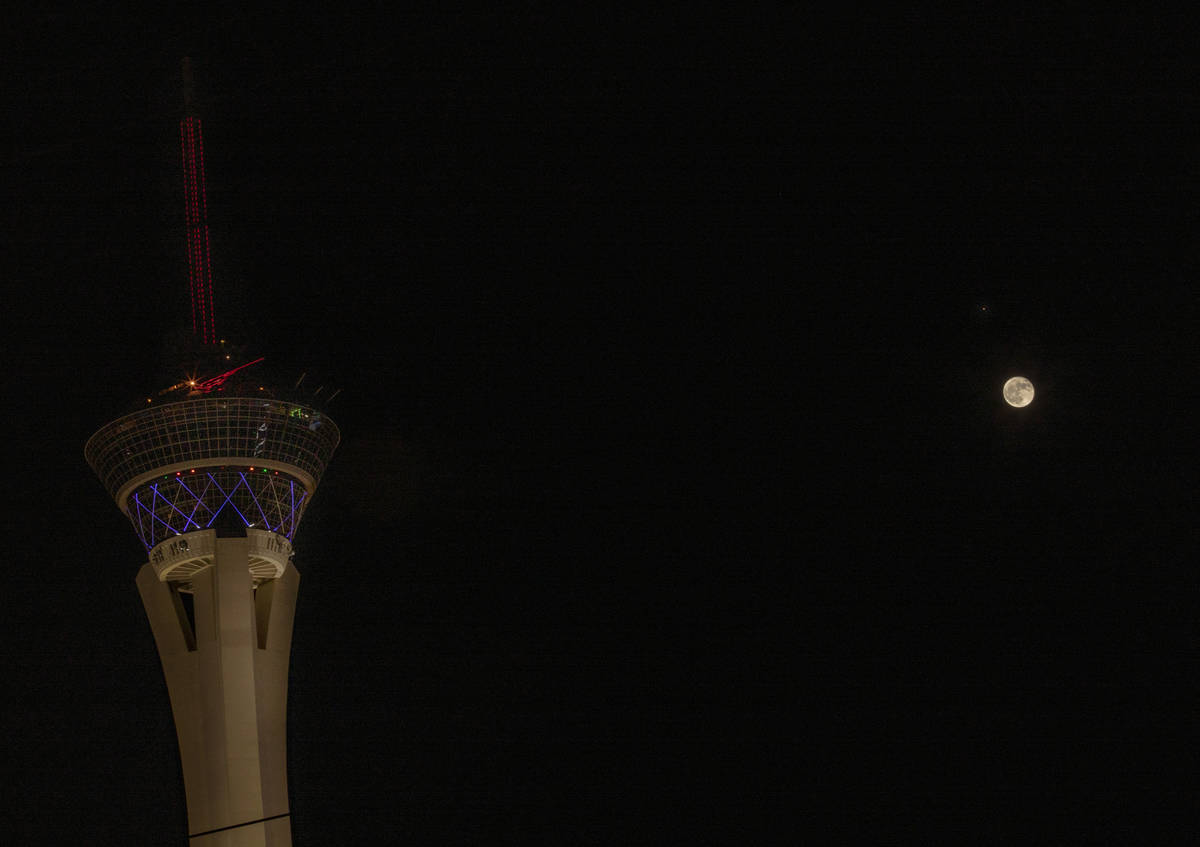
{"x": 677, "y": 497}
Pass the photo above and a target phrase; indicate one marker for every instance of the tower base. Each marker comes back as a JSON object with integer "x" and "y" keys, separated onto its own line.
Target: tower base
{"x": 226, "y": 667}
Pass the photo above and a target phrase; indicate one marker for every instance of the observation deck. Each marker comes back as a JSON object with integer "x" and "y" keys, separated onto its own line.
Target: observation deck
{"x": 180, "y": 466}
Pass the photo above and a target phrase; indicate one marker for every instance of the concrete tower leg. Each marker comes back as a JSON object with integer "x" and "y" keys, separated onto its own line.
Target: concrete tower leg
{"x": 227, "y": 680}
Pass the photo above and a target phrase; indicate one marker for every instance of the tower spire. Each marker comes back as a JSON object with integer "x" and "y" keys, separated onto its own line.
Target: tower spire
{"x": 215, "y": 479}
{"x": 195, "y": 205}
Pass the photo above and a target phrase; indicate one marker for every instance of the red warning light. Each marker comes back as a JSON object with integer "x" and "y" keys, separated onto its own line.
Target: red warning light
{"x": 196, "y": 214}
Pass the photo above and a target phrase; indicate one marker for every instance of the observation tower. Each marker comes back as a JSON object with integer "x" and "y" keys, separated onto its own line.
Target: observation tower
{"x": 215, "y": 473}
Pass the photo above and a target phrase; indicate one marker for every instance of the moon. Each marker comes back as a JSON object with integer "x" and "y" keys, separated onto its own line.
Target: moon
{"x": 1018, "y": 392}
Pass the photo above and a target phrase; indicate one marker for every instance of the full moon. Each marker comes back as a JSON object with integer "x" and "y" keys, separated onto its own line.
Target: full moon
{"x": 1018, "y": 392}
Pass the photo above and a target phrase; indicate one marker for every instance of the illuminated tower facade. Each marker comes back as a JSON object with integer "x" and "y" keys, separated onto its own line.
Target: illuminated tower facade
{"x": 215, "y": 475}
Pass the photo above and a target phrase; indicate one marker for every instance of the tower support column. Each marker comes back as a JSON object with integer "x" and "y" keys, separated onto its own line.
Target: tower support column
{"x": 227, "y": 681}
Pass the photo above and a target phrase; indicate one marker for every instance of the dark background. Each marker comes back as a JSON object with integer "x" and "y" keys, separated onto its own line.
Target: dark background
{"x": 676, "y": 496}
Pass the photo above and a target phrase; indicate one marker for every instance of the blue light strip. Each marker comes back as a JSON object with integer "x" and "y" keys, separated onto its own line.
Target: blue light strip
{"x": 148, "y": 523}
{"x": 298, "y": 506}
{"x": 199, "y": 500}
{"x": 169, "y": 508}
{"x": 138, "y": 524}
{"x": 160, "y": 520}
{"x": 228, "y": 501}
{"x": 172, "y": 505}
{"x": 266, "y": 522}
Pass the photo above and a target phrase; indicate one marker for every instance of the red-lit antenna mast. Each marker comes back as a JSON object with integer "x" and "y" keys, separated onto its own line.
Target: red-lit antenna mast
{"x": 195, "y": 208}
